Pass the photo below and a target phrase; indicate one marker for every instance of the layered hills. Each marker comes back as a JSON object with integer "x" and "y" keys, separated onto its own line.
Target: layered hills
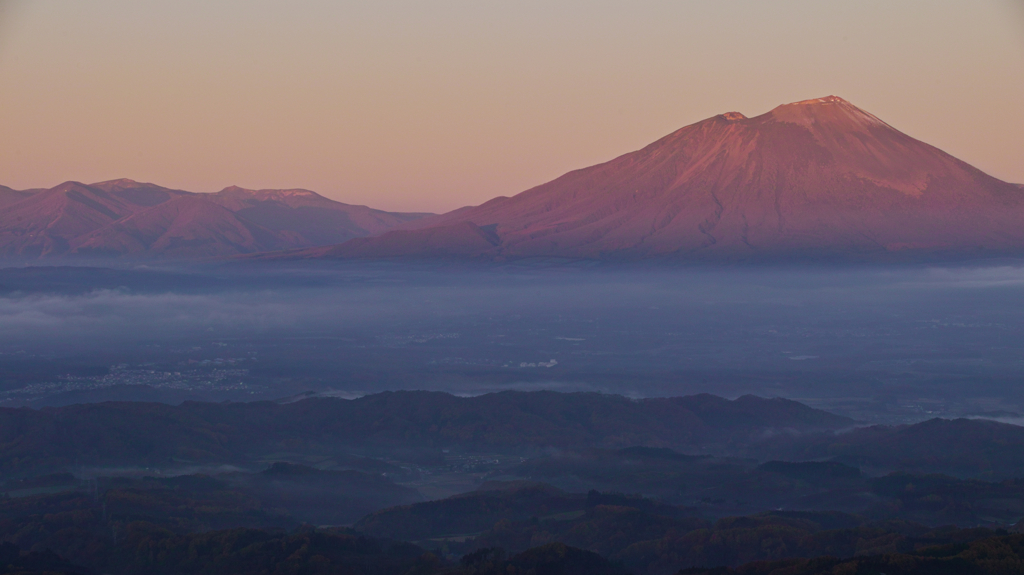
{"x": 198, "y": 524}
{"x": 128, "y": 218}
{"x": 154, "y": 434}
{"x": 819, "y": 178}
{"x": 543, "y": 483}
{"x": 587, "y": 424}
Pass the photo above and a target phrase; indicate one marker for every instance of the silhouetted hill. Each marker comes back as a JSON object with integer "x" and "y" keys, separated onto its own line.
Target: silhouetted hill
{"x": 719, "y": 486}
{"x": 653, "y": 538}
{"x": 550, "y": 559}
{"x": 652, "y": 544}
{"x": 1000, "y": 555}
{"x": 470, "y": 512}
{"x": 202, "y": 524}
{"x": 958, "y": 447}
{"x": 156, "y": 434}
{"x": 14, "y": 562}
{"x": 197, "y": 524}
{"x": 146, "y": 550}
{"x": 324, "y": 497}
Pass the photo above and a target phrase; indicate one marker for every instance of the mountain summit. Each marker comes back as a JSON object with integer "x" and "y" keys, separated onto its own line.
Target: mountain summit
{"x": 124, "y": 218}
{"x": 819, "y": 178}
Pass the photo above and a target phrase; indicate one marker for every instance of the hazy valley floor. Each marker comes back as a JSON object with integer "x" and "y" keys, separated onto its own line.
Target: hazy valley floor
{"x": 883, "y": 344}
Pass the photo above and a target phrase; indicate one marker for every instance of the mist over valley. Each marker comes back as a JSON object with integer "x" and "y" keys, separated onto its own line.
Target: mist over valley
{"x": 887, "y": 344}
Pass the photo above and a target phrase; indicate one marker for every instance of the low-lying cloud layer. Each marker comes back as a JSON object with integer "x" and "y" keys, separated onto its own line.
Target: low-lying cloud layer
{"x": 688, "y": 296}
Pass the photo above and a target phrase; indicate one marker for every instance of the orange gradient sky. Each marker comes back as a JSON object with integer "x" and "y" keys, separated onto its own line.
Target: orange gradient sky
{"x": 431, "y": 105}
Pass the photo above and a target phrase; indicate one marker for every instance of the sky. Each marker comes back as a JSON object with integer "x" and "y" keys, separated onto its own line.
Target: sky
{"x": 428, "y": 106}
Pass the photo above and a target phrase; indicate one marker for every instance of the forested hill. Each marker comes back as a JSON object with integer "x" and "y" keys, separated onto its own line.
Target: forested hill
{"x": 153, "y": 434}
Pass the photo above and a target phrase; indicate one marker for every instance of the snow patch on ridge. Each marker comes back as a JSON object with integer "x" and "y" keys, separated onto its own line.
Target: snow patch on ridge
{"x": 828, "y": 110}
{"x": 825, "y": 100}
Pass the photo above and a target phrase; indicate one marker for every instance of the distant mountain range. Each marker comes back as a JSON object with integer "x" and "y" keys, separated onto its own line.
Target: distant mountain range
{"x": 814, "y": 179}
{"x": 128, "y": 218}
{"x": 817, "y": 179}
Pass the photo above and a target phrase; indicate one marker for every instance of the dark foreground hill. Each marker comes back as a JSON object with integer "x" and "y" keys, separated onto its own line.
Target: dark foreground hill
{"x": 959, "y": 447}
{"x": 149, "y": 434}
{"x": 200, "y": 524}
{"x": 418, "y": 427}
{"x": 1000, "y": 555}
{"x": 197, "y": 524}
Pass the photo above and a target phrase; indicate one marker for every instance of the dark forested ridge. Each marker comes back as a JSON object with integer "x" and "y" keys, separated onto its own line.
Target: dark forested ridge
{"x": 909, "y": 512}
{"x": 513, "y": 483}
{"x": 199, "y": 524}
{"x": 151, "y": 434}
{"x": 963, "y": 447}
{"x": 998, "y": 555}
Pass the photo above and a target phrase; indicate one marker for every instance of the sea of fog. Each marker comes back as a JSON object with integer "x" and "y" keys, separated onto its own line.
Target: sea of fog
{"x": 894, "y": 343}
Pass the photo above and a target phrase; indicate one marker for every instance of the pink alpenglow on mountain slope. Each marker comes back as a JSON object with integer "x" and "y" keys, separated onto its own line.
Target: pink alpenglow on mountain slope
{"x": 124, "y": 218}
{"x": 814, "y": 179}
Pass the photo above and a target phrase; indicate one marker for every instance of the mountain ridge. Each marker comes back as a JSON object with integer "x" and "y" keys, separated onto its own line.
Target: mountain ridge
{"x": 125, "y": 218}
{"x": 119, "y": 432}
{"x": 819, "y": 178}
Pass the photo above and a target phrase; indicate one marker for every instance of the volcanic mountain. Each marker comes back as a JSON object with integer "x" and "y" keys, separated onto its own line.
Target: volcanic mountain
{"x": 128, "y": 218}
{"x": 818, "y": 178}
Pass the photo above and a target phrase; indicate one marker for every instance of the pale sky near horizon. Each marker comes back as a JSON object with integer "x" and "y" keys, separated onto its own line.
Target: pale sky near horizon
{"x": 428, "y": 106}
